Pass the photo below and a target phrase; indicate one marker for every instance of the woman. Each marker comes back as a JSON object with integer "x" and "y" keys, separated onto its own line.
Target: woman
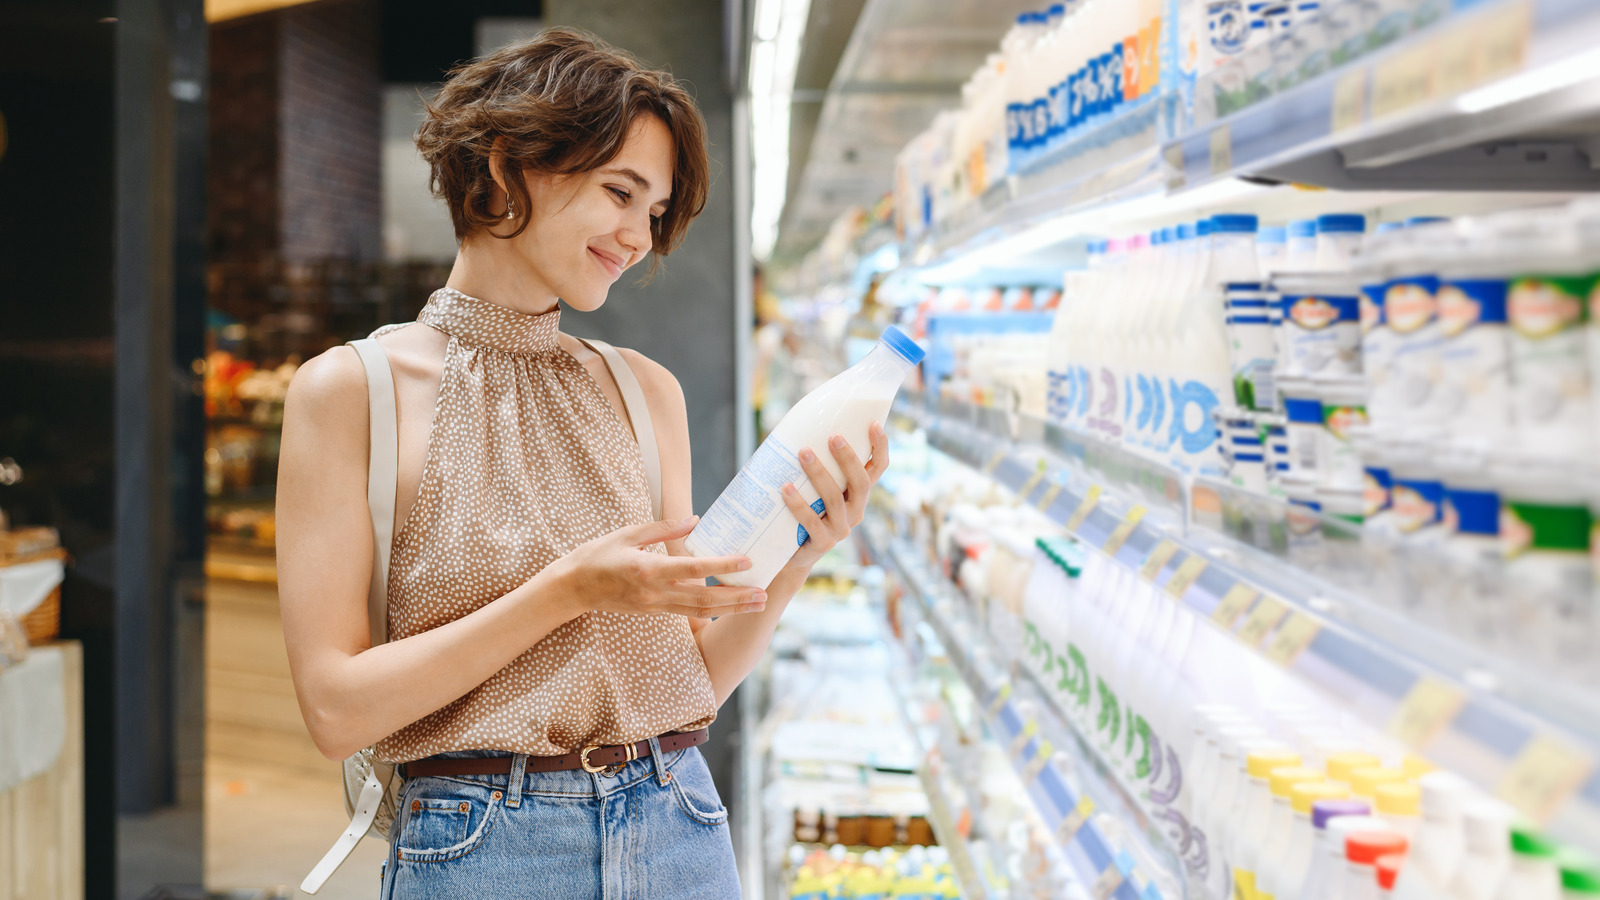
{"x": 534, "y": 624}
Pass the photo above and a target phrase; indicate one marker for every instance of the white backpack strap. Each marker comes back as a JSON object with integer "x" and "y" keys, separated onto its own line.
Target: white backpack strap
{"x": 382, "y": 471}
{"x": 638, "y": 413}
{"x": 383, "y": 468}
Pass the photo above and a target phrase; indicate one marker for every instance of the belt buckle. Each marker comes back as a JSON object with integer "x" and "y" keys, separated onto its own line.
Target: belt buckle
{"x": 583, "y": 760}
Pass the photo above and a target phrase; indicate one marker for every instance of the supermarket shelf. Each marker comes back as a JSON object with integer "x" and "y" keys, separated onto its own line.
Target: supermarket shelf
{"x": 943, "y": 821}
{"x": 1497, "y": 95}
{"x": 1031, "y": 741}
{"x": 1511, "y": 731}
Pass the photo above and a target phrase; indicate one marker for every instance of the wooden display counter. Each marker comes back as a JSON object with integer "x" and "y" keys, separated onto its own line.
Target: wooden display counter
{"x": 41, "y": 817}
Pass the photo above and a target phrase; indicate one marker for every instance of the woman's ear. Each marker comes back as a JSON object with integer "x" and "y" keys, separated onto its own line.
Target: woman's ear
{"x": 497, "y": 163}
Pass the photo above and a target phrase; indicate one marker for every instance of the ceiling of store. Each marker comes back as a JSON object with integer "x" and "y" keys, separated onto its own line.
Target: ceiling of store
{"x": 872, "y": 74}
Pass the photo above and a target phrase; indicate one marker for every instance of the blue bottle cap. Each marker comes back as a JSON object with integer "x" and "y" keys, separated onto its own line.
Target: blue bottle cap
{"x": 1233, "y": 223}
{"x": 1025, "y": 19}
{"x": 1156, "y": 239}
{"x": 1169, "y": 234}
{"x": 1058, "y": 9}
{"x": 1341, "y": 223}
{"x": 1186, "y": 232}
{"x": 1272, "y": 234}
{"x": 902, "y": 344}
{"x": 1414, "y": 221}
{"x": 1303, "y": 229}
{"x": 1386, "y": 227}
{"x": 1202, "y": 228}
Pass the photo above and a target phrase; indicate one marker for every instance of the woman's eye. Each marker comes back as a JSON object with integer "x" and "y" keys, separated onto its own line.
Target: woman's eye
{"x": 620, "y": 194}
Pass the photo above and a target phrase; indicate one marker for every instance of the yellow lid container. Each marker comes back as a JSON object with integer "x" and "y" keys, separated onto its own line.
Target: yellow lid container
{"x": 1261, "y": 763}
{"x": 1364, "y": 782}
{"x": 1399, "y": 798}
{"x": 1340, "y": 765}
{"x": 1302, "y": 795}
{"x": 1285, "y": 778}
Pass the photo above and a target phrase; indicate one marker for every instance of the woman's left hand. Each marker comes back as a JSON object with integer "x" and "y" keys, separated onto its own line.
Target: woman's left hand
{"x": 843, "y": 507}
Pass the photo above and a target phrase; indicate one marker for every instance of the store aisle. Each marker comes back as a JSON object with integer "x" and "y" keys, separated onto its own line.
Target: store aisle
{"x": 266, "y": 826}
{"x": 273, "y": 803}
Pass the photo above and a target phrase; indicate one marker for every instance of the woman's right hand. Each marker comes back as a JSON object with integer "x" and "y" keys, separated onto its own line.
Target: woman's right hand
{"x": 617, "y": 573}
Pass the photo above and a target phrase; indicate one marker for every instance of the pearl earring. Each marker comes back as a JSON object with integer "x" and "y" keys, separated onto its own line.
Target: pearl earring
{"x": 511, "y": 212}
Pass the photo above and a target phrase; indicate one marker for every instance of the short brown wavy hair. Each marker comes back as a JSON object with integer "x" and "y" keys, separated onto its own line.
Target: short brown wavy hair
{"x": 565, "y": 102}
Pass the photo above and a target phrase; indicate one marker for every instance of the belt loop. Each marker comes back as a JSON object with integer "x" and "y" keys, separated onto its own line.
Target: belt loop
{"x": 658, "y": 759}
{"x": 519, "y": 763}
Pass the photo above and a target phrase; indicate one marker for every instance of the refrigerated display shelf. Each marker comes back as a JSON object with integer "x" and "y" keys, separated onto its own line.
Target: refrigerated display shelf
{"x": 943, "y": 821}
{"x": 1419, "y": 114}
{"x": 1031, "y": 741}
{"x": 1517, "y": 734}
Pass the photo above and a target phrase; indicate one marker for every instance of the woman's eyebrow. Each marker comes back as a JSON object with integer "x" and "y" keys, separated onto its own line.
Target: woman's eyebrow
{"x": 631, "y": 175}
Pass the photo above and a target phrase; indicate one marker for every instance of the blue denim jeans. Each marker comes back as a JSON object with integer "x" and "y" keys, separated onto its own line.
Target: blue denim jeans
{"x": 655, "y": 829}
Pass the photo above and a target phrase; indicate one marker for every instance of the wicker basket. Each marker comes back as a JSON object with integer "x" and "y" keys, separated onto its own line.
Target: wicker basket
{"x": 44, "y": 623}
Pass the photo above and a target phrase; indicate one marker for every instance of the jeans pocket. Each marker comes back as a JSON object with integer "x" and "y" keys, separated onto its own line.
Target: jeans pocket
{"x": 443, "y": 819}
{"x": 696, "y": 793}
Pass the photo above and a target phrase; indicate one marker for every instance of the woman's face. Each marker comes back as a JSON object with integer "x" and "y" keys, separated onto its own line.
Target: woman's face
{"x": 587, "y": 229}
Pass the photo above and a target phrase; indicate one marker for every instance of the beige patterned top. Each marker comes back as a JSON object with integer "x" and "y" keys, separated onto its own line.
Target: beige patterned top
{"x": 528, "y": 459}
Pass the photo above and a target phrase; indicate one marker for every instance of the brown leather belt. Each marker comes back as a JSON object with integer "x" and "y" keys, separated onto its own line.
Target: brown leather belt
{"x": 589, "y": 759}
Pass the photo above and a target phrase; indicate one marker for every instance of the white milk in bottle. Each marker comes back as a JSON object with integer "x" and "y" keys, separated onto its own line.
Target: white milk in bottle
{"x": 750, "y": 518}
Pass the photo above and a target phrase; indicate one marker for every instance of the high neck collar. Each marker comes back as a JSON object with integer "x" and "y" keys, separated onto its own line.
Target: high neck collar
{"x": 485, "y": 324}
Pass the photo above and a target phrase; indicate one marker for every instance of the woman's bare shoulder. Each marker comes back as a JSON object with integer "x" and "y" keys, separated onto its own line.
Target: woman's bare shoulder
{"x": 331, "y": 383}
{"x": 660, "y": 386}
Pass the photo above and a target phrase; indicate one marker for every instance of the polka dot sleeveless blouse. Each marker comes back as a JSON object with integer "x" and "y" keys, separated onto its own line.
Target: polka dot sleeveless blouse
{"x": 527, "y": 459}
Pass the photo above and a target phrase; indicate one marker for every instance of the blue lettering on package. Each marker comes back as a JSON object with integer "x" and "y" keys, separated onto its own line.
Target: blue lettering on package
{"x": 1115, "y": 81}
{"x": 1069, "y": 390}
{"x": 1146, "y": 405}
{"x": 1013, "y": 125}
{"x": 1091, "y": 88}
{"x": 1488, "y": 293}
{"x": 1160, "y": 414}
{"x": 1196, "y": 394}
{"x": 1074, "y": 99}
{"x": 1055, "y": 119}
{"x": 1086, "y": 394}
{"x": 1127, "y": 399}
{"x": 800, "y": 535}
{"x": 1041, "y": 122}
{"x": 1477, "y": 512}
{"x": 1303, "y": 411}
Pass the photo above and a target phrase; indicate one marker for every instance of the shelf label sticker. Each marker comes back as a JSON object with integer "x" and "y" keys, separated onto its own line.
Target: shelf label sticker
{"x": 999, "y": 701}
{"x": 1292, "y": 639}
{"x": 1233, "y": 604}
{"x": 1158, "y": 559}
{"x": 1456, "y": 63}
{"x": 1221, "y": 150}
{"x": 1543, "y": 776}
{"x": 1263, "y": 618}
{"x": 1049, "y": 498}
{"x": 1427, "y": 710}
{"x": 1041, "y": 758}
{"x": 994, "y": 462}
{"x": 1108, "y": 882}
{"x": 1502, "y": 39}
{"x": 1173, "y": 156}
{"x": 1020, "y": 742}
{"x": 1184, "y": 578}
{"x": 1090, "y": 498}
{"x": 1032, "y": 482}
{"x": 1350, "y": 101}
{"x": 1120, "y": 534}
{"x": 1075, "y": 820}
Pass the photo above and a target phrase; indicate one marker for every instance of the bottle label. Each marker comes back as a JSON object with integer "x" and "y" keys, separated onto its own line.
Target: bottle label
{"x": 1340, "y": 419}
{"x": 1551, "y": 393}
{"x": 1417, "y": 504}
{"x": 1408, "y": 304}
{"x": 1376, "y": 485}
{"x": 1322, "y": 333}
{"x": 1372, "y": 307}
{"x": 1542, "y": 307}
{"x": 752, "y": 502}
{"x": 1471, "y": 511}
{"x": 1229, "y": 26}
{"x": 1526, "y": 527}
{"x": 1474, "y": 390}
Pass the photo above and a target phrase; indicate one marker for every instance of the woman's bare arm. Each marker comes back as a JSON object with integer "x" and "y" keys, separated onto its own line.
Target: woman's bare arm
{"x": 352, "y": 694}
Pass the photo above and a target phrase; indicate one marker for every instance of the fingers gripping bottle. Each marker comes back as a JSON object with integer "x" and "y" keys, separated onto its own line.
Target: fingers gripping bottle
{"x": 750, "y": 518}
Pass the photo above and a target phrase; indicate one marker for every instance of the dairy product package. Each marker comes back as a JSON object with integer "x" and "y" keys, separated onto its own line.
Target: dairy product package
{"x": 750, "y": 518}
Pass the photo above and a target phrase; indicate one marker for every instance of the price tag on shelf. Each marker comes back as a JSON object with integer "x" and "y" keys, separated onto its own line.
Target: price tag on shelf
{"x": 1221, "y": 150}
{"x": 1427, "y": 709}
{"x": 1032, "y": 482}
{"x": 1090, "y": 498}
{"x": 1350, "y": 100}
{"x": 1456, "y": 62}
{"x": 1119, "y": 535}
{"x": 1233, "y": 604}
{"x": 1292, "y": 639}
{"x": 1543, "y": 776}
{"x": 994, "y": 462}
{"x": 1264, "y": 617}
{"x": 1158, "y": 559}
{"x": 1049, "y": 498}
{"x": 1184, "y": 578}
{"x": 1041, "y": 758}
{"x": 1020, "y": 742}
{"x": 1075, "y": 820}
{"x": 999, "y": 701}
